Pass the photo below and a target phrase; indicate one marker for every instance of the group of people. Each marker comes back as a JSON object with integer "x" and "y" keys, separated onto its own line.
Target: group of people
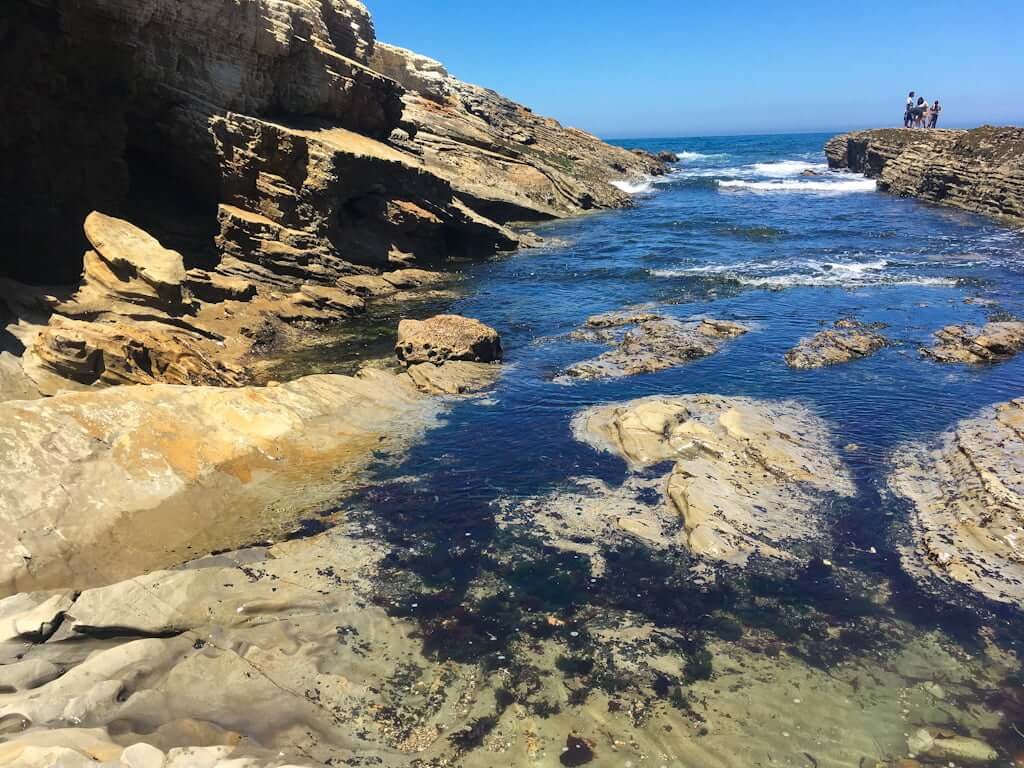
{"x": 921, "y": 114}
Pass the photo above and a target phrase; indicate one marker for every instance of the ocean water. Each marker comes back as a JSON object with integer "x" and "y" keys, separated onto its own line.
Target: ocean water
{"x": 773, "y": 668}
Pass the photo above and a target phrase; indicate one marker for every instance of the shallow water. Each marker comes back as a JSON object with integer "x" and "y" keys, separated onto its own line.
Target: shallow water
{"x": 737, "y": 233}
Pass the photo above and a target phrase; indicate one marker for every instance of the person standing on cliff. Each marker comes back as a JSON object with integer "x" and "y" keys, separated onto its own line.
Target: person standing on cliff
{"x": 933, "y": 115}
{"x": 908, "y": 114}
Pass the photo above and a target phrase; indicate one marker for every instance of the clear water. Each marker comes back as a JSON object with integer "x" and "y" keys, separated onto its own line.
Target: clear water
{"x": 735, "y": 232}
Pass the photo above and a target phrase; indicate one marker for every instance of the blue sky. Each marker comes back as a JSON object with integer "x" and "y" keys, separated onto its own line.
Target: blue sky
{"x": 654, "y": 68}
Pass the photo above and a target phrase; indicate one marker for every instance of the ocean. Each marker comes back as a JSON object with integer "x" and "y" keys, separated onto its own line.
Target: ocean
{"x": 650, "y": 654}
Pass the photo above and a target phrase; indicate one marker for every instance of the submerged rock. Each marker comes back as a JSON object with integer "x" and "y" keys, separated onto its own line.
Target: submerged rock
{"x": 447, "y": 337}
{"x": 970, "y": 344}
{"x": 653, "y": 343}
{"x": 847, "y": 340}
{"x": 967, "y": 496}
{"x": 941, "y": 746}
{"x": 748, "y": 478}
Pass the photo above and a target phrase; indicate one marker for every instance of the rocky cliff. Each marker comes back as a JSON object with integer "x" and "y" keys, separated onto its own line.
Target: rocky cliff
{"x": 274, "y": 149}
{"x": 980, "y": 170}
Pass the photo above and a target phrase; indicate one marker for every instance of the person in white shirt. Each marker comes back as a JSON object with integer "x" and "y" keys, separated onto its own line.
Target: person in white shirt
{"x": 908, "y": 113}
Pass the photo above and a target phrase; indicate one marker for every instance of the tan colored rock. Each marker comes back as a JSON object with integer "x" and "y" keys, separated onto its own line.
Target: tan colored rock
{"x": 33, "y": 616}
{"x": 980, "y": 170}
{"x": 446, "y": 337}
{"x": 749, "y": 476}
{"x": 455, "y": 377}
{"x": 132, "y": 253}
{"x": 103, "y": 485}
{"x": 848, "y": 340}
{"x": 216, "y": 288}
{"x": 939, "y": 746}
{"x": 653, "y": 343}
{"x": 14, "y": 383}
{"x": 412, "y": 71}
{"x": 969, "y": 344}
{"x": 967, "y": 497}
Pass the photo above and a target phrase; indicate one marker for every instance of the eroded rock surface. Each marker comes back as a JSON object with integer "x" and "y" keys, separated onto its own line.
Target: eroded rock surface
{"x": 967, "y": 496}
{"x": 980, "y": 170}
{"x": 749, "y": 477}
{"x": 970, "y": 344}
{"x": 447, "y": 337}
{"x": 651, "y": 343}
{"x": 847, "y": 340}
{"x": 103, "y": 485}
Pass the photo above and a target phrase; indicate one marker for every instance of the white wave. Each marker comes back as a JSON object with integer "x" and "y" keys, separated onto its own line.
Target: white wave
{"x": 835, "y": 186}
{"x": 781, "y": 169}
{"x": 634, "y": 187}
{"x": 698, "y": 156}
{"x": 782, "y": 273}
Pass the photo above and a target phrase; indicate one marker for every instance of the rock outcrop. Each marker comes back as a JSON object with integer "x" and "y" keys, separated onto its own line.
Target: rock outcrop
{"x": 651, "y": 343}
{"x": 749, "y": 478}
{"x": 970, "y": 344}
{"x": 502, "y": 159}
{"x": 104, "y": 485}
{"x": 847, "y": 340}
{"x": 980, "y": 170}
{"x": 967, "y": 503}
{"x": 265, "y": 156}
{"x": 447, "y": 337}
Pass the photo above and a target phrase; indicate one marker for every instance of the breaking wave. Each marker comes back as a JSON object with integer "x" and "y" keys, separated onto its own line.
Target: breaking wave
{"x": 831, "y": 186}
{"x": 788, "y": 273}
{"x": 634, "y": 187}
{"x": 695, "y": 157}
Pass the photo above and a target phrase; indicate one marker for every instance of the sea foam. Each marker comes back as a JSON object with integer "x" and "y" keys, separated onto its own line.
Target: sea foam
{"x": 634, "y": 187}
{"x": 832, "y": 187}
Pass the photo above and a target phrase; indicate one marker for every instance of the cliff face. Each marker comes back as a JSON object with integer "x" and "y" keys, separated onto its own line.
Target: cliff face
{"x": 270, "y": 145}
{"x": 980, "y": 170}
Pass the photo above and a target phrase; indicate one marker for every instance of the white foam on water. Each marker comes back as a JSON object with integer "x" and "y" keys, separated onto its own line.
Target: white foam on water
{"x": 694, "y": 157}
{"x": 634, "y": 187}
{"x": 782, "y": 169}
{"x": 787, "y": 273}
{"x": 814, "y": 186}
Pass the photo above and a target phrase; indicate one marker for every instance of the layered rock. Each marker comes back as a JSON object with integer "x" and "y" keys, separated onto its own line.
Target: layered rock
{"x": 967, "y": 503}
{"x": 749, "y": 477}
{"x": 506, "y": 162}
{"x": 970, "y": 344}
{"x": 848, "y": 340}
{"x": 980, "y": 170}
{"x": 651, "y": 343}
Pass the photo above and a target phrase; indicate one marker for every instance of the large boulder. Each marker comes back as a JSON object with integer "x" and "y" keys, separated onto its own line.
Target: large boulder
{"x": 447, "y": 337}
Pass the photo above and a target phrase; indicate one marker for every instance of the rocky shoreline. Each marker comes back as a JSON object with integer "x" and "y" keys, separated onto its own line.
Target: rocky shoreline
{"x": 980, "y": 170}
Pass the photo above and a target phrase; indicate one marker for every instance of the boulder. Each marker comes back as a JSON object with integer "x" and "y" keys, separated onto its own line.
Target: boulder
{"x": 667, "y": 157}
{"x": 133, "y": 256}
{"x": 847, "y": 340}
{"x": 447, "y": 337}
{"x": 652, "y": 343}
{"x": 970, "y": 344}
{"x": 945, "y": 747}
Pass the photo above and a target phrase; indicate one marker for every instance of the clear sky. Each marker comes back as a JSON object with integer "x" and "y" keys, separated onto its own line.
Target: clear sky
{"x": 654, "y": 68}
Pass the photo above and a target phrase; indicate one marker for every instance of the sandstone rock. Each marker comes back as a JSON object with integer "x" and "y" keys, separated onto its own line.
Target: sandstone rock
{"x": 934, "y": 745}
{"x": 967, "y": 496}
{"x": 14, "y": 383}
{"x": 980, "y": 170}
{"x": 847, "y": 340}
{"x": 447, "y": 337}
{"x": 216, "y": 288}
{"x": 455, "y": 377}
{"x": 749, "y": 476}
{"x": 412, "y": 71}
{"x": 970, "y": 344}
{"x": 31, "y": 617}
{"x": 132, "y": 255}
{"x": 667, "y": 157}
{"x": 654, "y": 343}
{"x": 106, "y": 484}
